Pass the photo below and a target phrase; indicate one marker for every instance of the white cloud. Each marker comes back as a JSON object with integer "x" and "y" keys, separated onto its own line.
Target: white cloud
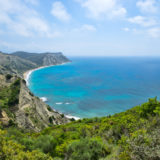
{"x": 154, "y": 32}
{"x": 20, "y": 19}
{"x": 59, "y": 11}
{"x": 103, "y": 8}
{"x": 126, "y": 29}
{"x": 148, "y": 6}
{"x": 142, "y": 21}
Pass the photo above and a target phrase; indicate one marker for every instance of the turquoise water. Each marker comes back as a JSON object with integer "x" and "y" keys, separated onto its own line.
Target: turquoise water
{"x": 90, "y": 87}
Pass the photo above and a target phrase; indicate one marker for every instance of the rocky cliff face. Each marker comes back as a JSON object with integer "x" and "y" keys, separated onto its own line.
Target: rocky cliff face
{"x": 34, "y": 114}
{"x": 54, "y": 59}
{"x": 10, "y": 64}
{"x": 30, "y": 113}
{"x": 20, "y": 62}
{"x": 43, "y": 59}
{"x": 18, "y": 106}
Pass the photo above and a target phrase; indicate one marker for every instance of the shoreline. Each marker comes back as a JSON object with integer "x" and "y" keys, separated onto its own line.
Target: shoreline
{"x": 26, "y": 76}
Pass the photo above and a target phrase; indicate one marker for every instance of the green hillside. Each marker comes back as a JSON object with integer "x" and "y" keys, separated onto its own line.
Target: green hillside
{"x": 130, "y": 135}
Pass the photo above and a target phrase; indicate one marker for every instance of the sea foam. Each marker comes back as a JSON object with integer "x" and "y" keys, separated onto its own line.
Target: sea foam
{"x": 59, "y": 103}
{"x": 44, "y": 99}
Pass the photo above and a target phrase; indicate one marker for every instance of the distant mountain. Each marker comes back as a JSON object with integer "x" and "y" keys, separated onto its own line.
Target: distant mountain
{"x": 10, "y": 64}
{"x": 43, "y": 59}
{"x": 19, "y": 62}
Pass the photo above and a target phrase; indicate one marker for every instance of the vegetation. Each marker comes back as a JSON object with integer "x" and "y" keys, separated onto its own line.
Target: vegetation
{"x": 130, "y": 135}
{"x": 9, "y": 97}
{"x": 8, "y": 76}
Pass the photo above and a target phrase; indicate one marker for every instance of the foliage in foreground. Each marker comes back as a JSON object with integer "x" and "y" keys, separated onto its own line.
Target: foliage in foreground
{"x": 130, "y": 135}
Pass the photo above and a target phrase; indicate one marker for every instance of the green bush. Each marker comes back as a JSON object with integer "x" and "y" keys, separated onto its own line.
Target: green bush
{"x": 87, "y": 149}
{"x": 133, "y": 134}
{"x": 49, "y": 108}
{"x": 46, "y": 144}
{"x": 149, "y": 107}
{"x": 14, "y": 93}
{"x": 8, "y": 77}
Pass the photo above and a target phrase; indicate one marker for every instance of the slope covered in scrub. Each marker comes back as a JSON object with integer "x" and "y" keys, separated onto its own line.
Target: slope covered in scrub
{"x": 133, "y": 134}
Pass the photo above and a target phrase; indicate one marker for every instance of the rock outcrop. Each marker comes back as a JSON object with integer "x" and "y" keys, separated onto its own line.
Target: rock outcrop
{"x": 43, "y": 59}
{"x": 30, "y": 112}
{"x": 18, "y": 106}
{"x": 10, "y": 64}
{"x": 34, "y": 114}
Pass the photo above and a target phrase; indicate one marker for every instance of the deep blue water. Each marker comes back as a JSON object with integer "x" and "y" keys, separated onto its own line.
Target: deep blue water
{"x": 90, "y": 87}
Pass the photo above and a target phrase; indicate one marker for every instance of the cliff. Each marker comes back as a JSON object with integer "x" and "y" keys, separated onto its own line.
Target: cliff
{"x": 22, "y": 108}
{"x": 43, "y": 59}
{"x": 18, "y": 106}
{"x": 10, "y": 64}
{"x": 20, "y": 62}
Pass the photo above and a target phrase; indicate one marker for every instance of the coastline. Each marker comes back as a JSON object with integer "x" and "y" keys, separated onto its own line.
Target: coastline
{"x": 26, "y": 76}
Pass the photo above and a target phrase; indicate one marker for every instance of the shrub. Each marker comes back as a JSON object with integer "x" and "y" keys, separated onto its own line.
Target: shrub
{"x": 49, "y": 108}
{"x": 23, "y": 81}
{"x": 8, "y": 77}
{"x": 46, "y": 144}
{"x": 87, "y": 149}
{"x": 14, "y": 95}
{"x": 50, "y": 120}
{"x": 11, "y": 123}
{"x": 149, "y": 107}
{"x": 62, "y": 115}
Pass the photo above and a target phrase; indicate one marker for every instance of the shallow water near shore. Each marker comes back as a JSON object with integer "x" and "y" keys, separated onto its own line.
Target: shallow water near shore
{"x": 98, "y": 86}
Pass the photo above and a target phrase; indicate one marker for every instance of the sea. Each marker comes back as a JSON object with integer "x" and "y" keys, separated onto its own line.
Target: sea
{"x": 97, "y": 86}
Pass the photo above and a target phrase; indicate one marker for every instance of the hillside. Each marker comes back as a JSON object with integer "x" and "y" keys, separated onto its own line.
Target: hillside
{"x": 10, "y": 64}
{"x": 18, "y": 106}
{"x": 31, "y": 130}
{"x": 43, "y": 59}
{"x": 130, "y": 135}
{"x": 20, "y": 62}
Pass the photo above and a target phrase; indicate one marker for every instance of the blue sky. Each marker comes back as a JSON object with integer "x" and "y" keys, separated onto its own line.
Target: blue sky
{"x": 81, "y": 27}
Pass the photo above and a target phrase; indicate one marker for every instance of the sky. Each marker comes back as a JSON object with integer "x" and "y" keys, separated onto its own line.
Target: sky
{"x": 81, "y": 27}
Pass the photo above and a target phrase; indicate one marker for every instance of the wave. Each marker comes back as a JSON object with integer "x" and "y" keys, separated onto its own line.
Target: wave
{"x": 74, "y": 117}
{"x": 44, "y": 99}
{"x": 59, "y": 103}
{"x": 67, "y": 115}
{"x": 67, "y": 103}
